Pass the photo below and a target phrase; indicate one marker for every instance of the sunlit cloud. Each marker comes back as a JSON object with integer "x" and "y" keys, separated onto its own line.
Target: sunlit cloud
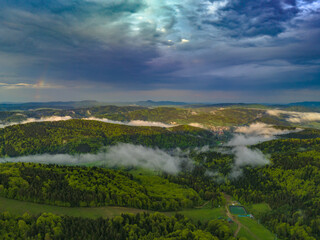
{"x": 39, "y": 85}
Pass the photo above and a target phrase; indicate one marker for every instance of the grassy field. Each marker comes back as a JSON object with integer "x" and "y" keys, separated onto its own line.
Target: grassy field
{"x": 17, "y": 207}
{"x": 20, "y": 207}
{"x": 251, "y": 229}
{"x": 203, "y": 214}
{"x": 255, "y": 228}
{"x": 244, "y": 233}
{"x": 258, "y": 209}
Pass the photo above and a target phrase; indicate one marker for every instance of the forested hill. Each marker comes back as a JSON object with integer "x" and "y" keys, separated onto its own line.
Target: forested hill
{"x": 290, "y": 184}
{"x": 72, "y": 186}
{"x": 304, "y": 134}
{"x": 125, "y": 227}
{"x": 84, "y": 136}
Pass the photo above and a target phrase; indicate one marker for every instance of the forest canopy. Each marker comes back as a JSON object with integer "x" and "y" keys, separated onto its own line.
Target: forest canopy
{"x": 84, "y": 136}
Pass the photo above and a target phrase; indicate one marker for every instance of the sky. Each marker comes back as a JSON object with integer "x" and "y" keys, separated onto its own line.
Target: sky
{"x": 179, "y": 50}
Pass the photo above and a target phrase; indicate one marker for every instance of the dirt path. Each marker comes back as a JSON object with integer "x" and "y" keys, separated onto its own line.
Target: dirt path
{"x": 235, "y": 220}
{"x": 206, "y": 203}
{"x": 229, "y": 202}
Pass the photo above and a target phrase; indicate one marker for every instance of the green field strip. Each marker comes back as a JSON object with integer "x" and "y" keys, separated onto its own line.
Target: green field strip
{"x": 256, "y": 229}
{"x": 204, "y": 214}
{"x": 17, "y": 207}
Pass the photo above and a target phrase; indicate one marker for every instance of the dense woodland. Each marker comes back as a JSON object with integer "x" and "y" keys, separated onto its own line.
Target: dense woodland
{"x": 83, "y": 136}
{"x": 125, "y": 227}
{"x": 47, "y": 111}
{"x": 304, "y": 134}
{"x": 83, "y": 186}
{"x": 290, "y": 185}
{"x": 203, "y": 115}
{"x": 203, "y": 178}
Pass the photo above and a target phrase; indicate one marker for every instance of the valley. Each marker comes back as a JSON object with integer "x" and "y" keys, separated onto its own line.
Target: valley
{"x": 88, "y": 170}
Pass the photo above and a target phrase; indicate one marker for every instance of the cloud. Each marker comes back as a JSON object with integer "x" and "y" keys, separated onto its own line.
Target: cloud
{"x": 244, "y": 140}
{"x": 38, "y": 85}
{"x": 133, "y": 122}
{"x": 296, "y": 117}
{"x": 129, "y": 45}
{"x": 64, "y": 118}
{"x": 245, "y": 156}
{"x": 254, "y": 134}
{"x": 257, "y": 129}
{"x": 183, "y": 41}
{"x": 247, "y": 136}
{"x": 198, "y": 125}
{"x": 47, "y": 119}
{"x": 214, "y": 7}
{"x": 121, "y": 155}
{"x": 130, "y": 155}
{"x": 251, "y": 18}
{"x": 42, "y": 119}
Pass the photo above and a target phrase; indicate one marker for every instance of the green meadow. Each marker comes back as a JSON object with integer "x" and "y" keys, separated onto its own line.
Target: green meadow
{"x": 17, "y": 207}
{"x": 204, "y": 214}
{"x": 252, "y": 228}
{"x": 258, "y": 209}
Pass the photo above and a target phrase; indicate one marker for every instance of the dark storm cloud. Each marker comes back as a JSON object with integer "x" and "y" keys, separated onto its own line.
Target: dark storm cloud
{"x": 77, "y": 40}
{"x": 252, "y": 17}
{"x": 138, "y": 45}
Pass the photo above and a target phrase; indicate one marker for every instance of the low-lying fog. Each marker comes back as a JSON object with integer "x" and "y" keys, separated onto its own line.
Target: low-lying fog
{"x": 106, "y": 120}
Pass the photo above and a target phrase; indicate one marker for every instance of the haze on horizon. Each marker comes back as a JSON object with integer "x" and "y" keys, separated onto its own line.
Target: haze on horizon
{"x": 187, "y": 50}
